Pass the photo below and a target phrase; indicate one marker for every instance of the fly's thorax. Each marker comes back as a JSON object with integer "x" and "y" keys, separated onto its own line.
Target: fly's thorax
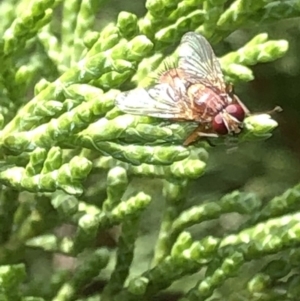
{"x": 176, "y": 81}
{"x": 172, "y": 76}
{"x": 206, "y": 102}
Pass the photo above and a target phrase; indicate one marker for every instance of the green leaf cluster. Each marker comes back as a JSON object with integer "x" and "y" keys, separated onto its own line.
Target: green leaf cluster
{"x": 71, "y": 161}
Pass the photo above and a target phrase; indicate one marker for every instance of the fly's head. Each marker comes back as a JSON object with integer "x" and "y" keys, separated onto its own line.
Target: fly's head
{"x": 229, "y": 120}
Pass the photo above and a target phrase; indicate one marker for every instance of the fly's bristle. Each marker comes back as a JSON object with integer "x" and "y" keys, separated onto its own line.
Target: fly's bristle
{"x": 165, "y": 66}
{"x": 154, "y": 76}
{"x": 169, "y": 64}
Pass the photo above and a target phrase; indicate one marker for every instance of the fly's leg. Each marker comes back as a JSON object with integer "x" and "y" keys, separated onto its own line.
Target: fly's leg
{"x": 200, "y": 131}
{"x": 209, "y": 142}
{"x": 230, "y": 91}
{"x": 246, "y": 110}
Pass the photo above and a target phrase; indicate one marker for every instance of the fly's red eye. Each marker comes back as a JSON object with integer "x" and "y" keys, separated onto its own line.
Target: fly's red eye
{"x": 236, "y": 111}
{"x": 219, "y": 125}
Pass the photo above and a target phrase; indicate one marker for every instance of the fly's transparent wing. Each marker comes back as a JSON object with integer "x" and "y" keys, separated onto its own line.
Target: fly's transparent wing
{"x": 159, "y": 101}
{"x": 197, "y": 58}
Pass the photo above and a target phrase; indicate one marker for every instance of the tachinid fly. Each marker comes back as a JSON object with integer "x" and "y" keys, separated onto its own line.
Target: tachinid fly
{"x": 195, "y": 90}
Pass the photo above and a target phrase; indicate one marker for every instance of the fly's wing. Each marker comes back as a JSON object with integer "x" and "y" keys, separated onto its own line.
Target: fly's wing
{"x": 161, "y": 101}
{"x": 197, "y": 58}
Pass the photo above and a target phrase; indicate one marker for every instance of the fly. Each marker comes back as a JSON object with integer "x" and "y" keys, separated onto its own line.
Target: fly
{"x": 195, "y": 91}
